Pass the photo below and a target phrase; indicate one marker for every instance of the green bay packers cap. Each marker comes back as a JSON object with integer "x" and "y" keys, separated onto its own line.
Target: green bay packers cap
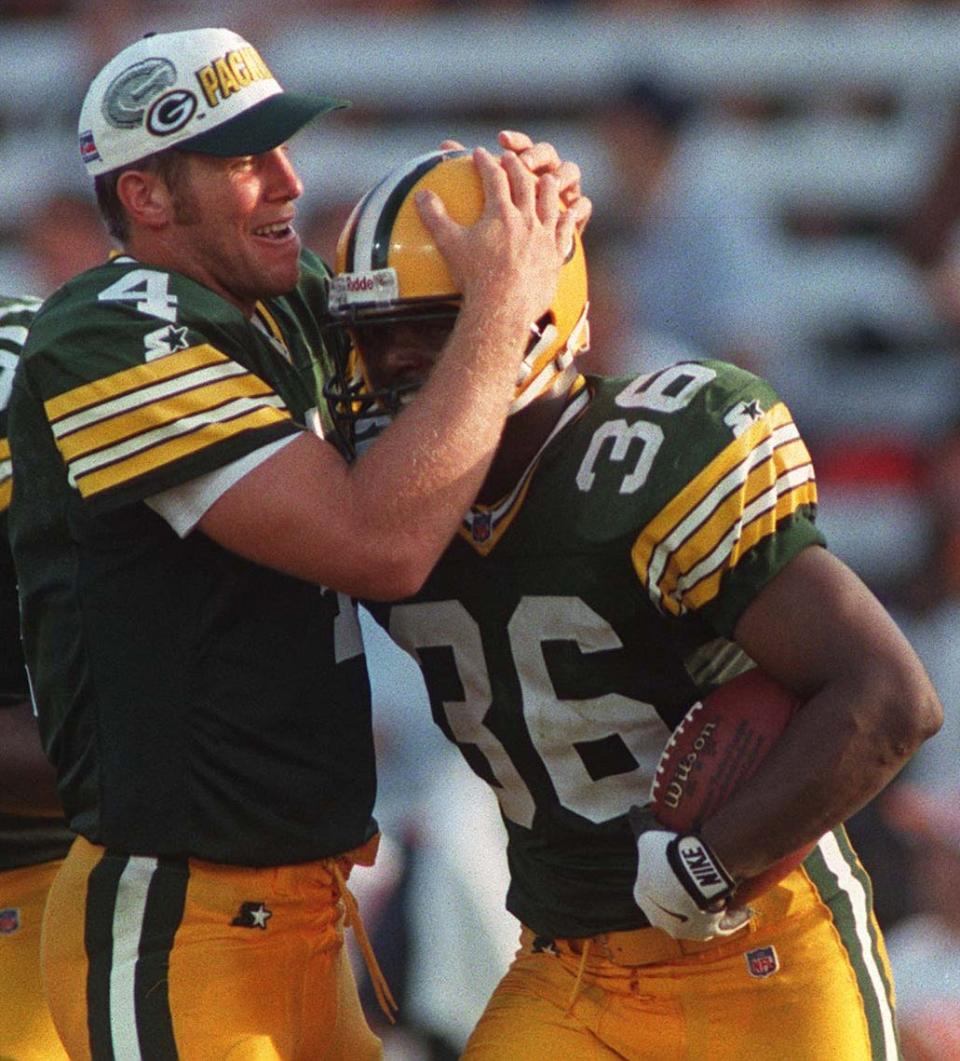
{"x": 205, "y": 90}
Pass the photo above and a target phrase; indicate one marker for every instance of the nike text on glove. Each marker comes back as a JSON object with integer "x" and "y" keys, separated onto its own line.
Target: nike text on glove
{"x": 681, "y": 885}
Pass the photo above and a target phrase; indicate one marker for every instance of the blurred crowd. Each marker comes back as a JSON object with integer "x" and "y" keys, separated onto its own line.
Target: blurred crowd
{"x": 842, "y": 293}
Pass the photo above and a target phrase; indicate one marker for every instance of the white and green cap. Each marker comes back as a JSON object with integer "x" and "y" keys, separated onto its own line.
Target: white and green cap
{"x": 205, "y": 90}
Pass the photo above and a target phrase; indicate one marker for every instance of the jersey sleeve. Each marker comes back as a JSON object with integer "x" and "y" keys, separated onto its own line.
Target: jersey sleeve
{"x": 741, "y": 516}
{"x": 136, "y": 404}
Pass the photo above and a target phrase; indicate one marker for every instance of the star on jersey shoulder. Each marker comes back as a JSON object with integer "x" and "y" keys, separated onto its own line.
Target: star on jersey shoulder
{"x": 742, "y": 415}
{"x": 166, "y": 340}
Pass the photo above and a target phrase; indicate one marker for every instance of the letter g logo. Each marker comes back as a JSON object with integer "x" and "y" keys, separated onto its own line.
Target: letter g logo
{"x": 171, "y": 112}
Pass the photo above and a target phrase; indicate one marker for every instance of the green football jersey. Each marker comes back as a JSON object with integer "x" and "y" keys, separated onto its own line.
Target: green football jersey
{"x": 568, "y": 628}
{"x": 24, "y": 840}
{"x": 195, "y": 703}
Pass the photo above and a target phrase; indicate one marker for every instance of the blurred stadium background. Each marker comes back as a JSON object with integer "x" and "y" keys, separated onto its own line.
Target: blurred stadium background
{"x": 775, "y": 183}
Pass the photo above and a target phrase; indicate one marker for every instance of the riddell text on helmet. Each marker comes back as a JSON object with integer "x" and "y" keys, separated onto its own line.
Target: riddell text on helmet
{"x": 359, "y": 282}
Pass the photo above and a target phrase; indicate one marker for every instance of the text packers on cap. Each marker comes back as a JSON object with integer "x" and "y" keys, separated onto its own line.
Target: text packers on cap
{"x": 205, "y": 90}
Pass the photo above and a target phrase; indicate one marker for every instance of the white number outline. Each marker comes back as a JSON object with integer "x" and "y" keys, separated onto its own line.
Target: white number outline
{"x": 554, "y": 725}
{"x": 448, "y": 624}
{"x": 640, "y": 393}
{"x": 147, "y": 289}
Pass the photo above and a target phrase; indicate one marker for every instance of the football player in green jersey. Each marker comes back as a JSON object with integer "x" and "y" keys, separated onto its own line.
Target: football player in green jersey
{"x": 34, "y": 838}
{"x": 636, "y": 542}
{"x": 187, "y": 545}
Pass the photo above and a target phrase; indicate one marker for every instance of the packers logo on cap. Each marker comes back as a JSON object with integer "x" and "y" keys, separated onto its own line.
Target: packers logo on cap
{"x": 128, "y": 94}
{"x": 171, "y": 112}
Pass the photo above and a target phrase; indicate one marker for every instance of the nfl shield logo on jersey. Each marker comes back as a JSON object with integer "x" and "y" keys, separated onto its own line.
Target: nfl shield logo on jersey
{"x": 762, "y": 962}
{"x": 9, "y": 920}
{"x": 481, "y": 526}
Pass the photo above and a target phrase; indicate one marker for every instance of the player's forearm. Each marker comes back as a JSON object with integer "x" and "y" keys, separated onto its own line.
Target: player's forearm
{"x": 841, "y": 749}
{"x": 867, "y": 705}
{"x": 27, "y": 779}
{"x": 418, "y": 480}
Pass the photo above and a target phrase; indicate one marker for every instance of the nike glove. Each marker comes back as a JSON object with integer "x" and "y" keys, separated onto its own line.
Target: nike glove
{"x": 681, "y": 885}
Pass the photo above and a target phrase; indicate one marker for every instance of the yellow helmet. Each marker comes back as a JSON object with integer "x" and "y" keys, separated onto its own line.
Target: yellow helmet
{"x": 388, "y": 269}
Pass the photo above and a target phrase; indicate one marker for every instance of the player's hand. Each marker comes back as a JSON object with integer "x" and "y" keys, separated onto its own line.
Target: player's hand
{"x": 511, "y": 257}
{"x": 541, "y": 158}
{"x": 681, "y": 885}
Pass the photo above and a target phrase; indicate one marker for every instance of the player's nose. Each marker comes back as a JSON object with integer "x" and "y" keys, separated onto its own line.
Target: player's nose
{"x": 284, "y": 181}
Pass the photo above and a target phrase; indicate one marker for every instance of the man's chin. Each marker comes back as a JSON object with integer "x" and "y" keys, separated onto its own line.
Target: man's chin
{"x": 281, "y": 284}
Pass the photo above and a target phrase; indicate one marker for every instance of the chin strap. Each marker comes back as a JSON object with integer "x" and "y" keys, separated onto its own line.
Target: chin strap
{"x": 556, "y": 372}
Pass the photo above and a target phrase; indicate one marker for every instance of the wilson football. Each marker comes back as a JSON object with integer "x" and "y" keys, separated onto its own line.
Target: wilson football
{"x": 717, "y": 746}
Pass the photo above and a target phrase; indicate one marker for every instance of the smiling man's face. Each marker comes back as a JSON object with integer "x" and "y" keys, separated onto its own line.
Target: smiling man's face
{"x": 233, "y": 223}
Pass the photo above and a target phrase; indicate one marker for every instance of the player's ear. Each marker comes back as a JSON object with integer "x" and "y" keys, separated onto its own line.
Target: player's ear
{"x": 146, "y": 198}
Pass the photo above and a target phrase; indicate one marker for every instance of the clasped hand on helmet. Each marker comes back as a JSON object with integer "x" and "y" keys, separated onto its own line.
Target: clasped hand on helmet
{"x": 510, "y": 259}
{"x": 542, "y": 157}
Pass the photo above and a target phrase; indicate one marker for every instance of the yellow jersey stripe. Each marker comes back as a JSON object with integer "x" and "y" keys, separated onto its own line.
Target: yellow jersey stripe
{"x": 665, "y": 577}
{"x": 656, "y": 544}
{"x": 93, "y": 478}
{"x": 268, "y": 324}
{"x": 185, "y": 426}
{"x": 717, "y": 478}
{"x": 719, "y": 502}
{"x": 703, "y": 537}
{"x": 701, "y": 584}
{"x": 146, "y": 396}
{"x": 270, "y": 321}
{"x": 6, "y": 475}
{"x": 127, "y": 382}
{"x": 168, "y": 409}
{"x": 708, "y": 586}
{"x": 705, "y": 482}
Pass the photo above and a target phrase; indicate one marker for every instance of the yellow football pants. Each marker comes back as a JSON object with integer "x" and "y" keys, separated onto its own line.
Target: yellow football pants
{"x": 169, "y": 958}
{"x": 26, "y": 1030}
{"x": 808, "y": 980}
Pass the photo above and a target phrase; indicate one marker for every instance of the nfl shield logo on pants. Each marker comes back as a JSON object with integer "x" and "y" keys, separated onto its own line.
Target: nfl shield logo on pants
{"x": 762, "y": 962}
{"x": 9, "y": 920}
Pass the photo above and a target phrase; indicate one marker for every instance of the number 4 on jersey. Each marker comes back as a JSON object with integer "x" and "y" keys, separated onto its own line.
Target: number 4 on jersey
{"x": 147, "y": 290}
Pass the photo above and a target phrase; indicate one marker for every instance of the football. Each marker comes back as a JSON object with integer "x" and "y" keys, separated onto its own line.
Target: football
{"x": 717, "y": 746}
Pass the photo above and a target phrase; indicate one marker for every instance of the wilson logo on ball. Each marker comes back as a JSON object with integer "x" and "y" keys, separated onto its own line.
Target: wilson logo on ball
{"x": 684, "y": 773}
{"x": 715, "y": 750}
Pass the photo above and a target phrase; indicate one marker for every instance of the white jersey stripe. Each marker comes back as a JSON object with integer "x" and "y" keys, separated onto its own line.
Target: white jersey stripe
{"x": 16, "y": 333}
{"x": 760, "y": 505}
{"x": 146, "y": 396}
{"x": 26, "y": 303}
{"x": 128, "y": 918}
{"x": 734, "y": 479}
{"x": 84, "y": 465}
